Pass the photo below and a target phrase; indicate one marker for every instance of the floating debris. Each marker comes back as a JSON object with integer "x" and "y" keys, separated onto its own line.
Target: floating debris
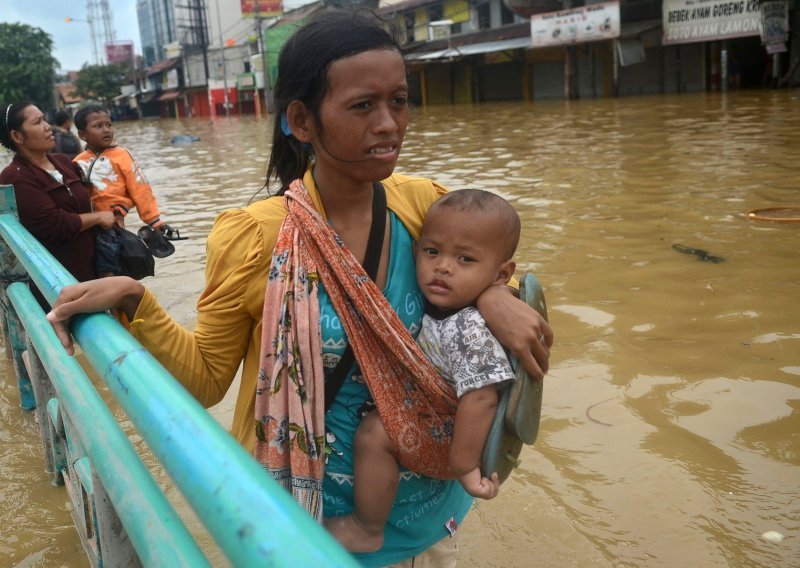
{"x": 184, "y": 139}
{"x": 773, "y": 536}
{"x": 699, "y": 253}
{"x": 595, "y": 420}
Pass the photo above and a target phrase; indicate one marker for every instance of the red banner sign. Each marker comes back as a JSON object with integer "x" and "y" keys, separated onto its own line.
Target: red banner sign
{"x": 261, "y": 8}
{"x": 119, "y": 52}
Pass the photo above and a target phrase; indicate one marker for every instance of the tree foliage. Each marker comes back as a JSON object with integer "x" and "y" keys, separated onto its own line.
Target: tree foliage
{"x": 27, "y": 65}
{"x": 101, "y": 82}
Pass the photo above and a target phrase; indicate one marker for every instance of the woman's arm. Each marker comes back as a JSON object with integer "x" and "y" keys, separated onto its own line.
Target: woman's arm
{"x": 42, "y": 216}
{"x": 205, "y": 360}
{"x": 518, "y": 327}
{"x": 118, "y": 293}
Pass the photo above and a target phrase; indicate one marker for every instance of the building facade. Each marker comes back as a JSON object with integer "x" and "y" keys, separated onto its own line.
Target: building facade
{"x": 204, "y": 57}
{"x": 463, "y": 51}
{"x": 156, "y": 28}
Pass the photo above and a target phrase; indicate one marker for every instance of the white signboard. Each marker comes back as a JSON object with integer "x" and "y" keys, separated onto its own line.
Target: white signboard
{"x": 594, "y": 22}
{"x": 172, "y": 79}
{"x": 774, "y": 21}
{"x": 688, "y": 21}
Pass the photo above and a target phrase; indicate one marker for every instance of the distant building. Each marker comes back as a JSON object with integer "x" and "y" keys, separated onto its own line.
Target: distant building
{"x": 64, "y": 96}
{"x": 205, "y": 57}
{"x": 156, "y": 28}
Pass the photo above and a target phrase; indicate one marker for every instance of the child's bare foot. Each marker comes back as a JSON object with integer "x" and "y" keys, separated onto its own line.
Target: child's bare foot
{"x": 354, "y": 535}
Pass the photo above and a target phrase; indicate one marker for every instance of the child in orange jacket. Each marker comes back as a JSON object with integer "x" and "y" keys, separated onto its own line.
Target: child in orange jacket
{"x": 118, "y": 184}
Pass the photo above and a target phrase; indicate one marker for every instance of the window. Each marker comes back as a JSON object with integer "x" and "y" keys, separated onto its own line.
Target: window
{"x": 409, "y": 17}
{"x": 484, "y": 16}
{"x": 506, "y": 15}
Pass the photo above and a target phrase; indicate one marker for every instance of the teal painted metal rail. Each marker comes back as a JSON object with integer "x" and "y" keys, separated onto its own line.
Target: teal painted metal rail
{"x": 252, "y": 519}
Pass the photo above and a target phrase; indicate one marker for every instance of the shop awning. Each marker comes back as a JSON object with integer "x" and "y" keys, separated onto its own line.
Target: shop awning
{"x": 162, "y": 66}
{"x": 633, "y": 29}
{"x": 132, "y": 95}
{"x": 630, "y": 46}
{"x": 472, "y": 49}
{"x": 147, "y": 96}
{"x": 169, "y": 95}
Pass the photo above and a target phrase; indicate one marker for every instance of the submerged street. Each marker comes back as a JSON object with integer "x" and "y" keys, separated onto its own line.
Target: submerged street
{"x": 670, "y": 431}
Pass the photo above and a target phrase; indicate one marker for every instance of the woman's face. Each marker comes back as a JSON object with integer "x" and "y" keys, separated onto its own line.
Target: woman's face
{"x": 35, "y": 134}
{"x": 363, "y": 117}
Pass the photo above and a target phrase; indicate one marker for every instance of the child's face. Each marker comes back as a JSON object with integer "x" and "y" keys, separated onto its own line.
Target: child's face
{"x": 98, "y": 134}
{"x": 459, "y": 255}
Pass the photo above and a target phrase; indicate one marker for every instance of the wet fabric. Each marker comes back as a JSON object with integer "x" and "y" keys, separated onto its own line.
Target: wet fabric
{"x": 422, "y": 506}
{"x": 464, "y": 351}
{"x": 107, "y": 247}
{"x": 227, "y": 337}
{"x": 416, "y": 407}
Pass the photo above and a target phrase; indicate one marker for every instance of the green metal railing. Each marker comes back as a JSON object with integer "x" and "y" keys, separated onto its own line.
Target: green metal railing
{"x": 121, "y": 513}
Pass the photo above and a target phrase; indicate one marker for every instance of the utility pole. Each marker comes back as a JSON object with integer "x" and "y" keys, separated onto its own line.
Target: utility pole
{"x": 570, "y": 66}
{"x": 262, "y": 47}
{"x": 224, "y": 68}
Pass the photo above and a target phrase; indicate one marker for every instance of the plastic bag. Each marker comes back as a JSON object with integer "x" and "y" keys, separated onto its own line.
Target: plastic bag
{"x": 135, "y": 258}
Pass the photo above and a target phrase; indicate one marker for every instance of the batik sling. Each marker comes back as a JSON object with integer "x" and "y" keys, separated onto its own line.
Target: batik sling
{"x": 416, "y": 406}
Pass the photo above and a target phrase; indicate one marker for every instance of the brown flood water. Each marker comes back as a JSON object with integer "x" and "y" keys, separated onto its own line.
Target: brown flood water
{"x": 670, "y": 433}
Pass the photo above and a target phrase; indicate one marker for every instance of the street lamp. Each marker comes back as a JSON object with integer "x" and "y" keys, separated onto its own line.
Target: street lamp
{"x": 95, "y": 50}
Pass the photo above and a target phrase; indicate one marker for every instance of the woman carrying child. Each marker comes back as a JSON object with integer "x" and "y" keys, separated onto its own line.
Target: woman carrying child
{"x": 341, "y": 96}
{"x": 52, "y": 201}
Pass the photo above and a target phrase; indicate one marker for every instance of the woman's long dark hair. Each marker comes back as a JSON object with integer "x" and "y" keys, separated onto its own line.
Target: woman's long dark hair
{"x": 303, "y": 76}
{"x": 11, "y": 118}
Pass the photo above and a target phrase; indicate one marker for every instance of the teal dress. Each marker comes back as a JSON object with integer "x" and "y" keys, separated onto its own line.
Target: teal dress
{"x": 423, "y": 506}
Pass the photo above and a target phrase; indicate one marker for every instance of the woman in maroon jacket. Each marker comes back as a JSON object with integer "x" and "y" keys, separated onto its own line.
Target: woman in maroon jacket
{"x": 52, "y": 201}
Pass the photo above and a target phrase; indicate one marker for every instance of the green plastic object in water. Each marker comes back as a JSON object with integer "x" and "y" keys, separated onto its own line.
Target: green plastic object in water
{"x": 519, "y": 405}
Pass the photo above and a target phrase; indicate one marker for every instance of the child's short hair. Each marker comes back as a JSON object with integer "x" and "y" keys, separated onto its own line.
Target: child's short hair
{"x": 85, "y": 111}
{"x": 478, "y": 200}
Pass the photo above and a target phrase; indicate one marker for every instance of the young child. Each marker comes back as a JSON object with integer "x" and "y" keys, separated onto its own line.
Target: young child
{"x": 118, "y": 184}
{"x": 467, "y": 244}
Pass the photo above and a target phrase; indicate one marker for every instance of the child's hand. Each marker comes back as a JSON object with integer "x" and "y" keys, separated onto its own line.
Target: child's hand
{"x": 169, "y": 233}
{"x": 478, "y": 486}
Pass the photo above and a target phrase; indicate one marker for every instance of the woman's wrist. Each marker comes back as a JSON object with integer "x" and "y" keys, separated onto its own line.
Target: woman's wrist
{"x": 492, "y": 293}
{"x": 131, "y": 297}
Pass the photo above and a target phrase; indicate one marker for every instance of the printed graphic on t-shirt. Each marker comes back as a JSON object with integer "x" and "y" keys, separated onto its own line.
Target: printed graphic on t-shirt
{"x": 464, "y": 351}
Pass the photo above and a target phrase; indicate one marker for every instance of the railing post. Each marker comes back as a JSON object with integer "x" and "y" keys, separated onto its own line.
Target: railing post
{"x": 11, "y": 270}
{"x": 100, "y": 468}
{"x": 252, "y": 519}
{"x": 56, "y": 440}
{"x": 43, "y": 391}
{"x": 18, "y": 341}
{"x": 4, "y": 325}
{"x": 116, "y": 548}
